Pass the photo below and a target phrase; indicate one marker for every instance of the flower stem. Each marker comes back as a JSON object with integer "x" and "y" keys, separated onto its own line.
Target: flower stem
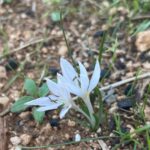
{"x": 90, "y": 108}
{"x": 82, "y": 112}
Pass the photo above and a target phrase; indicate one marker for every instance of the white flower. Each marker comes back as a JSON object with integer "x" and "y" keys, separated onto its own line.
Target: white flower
{"x": 79, "y": 85}
{"x": 60, "y": 97}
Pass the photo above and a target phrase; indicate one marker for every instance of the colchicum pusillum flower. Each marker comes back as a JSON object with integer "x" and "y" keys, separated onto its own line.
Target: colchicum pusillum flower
{"x": 80, "y": 85}
{"x": 60, "y": 97}
{"x": 69, "y": 82}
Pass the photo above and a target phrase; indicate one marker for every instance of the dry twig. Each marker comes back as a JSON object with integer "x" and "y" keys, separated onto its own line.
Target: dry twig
{"x": 114, "y": 85}
{"x": 26, "y": 45}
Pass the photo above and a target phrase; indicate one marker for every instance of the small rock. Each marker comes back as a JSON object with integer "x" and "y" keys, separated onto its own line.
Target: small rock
{"x": 120, "y": 64}
{"x": 3, "y": 72}
{"x": 11, "y": 65}
{"x": 147, "y": 113}
{"x": 125, "y": 104}
{"x": 25, "y": 139}
{"x": 53, "y": 70}
{"x": 143, "y": 41}
{"x": 24, "y": 115}
{"x": 62, "y": 50}
{"x": 71, "y": 123}
{"x": 67, "y": 136}
{"x": 44, "y": 50}
{"x": 46, "y": 129}
{"x": 131, "y": 130}
{"x": 23, "y": 16}
{"x": 15, "y": 140}
{"x": 146, "y": 65}
{"x": 112, "y": 11}
{"x": 54, "y": 122}
{"x": 99, "y": 130}
{"x": 113, "y": 108}
{"x": 77, "y": 137}
{"x": 98, "y": 34}
{"x": 4, "y": 101}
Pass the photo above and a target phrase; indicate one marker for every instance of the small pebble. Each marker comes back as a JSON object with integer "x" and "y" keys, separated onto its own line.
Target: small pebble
{"x": 98, "y": 34}
{"x": 25, "y": 139}
{"x": 54, "y": 122}
{"x": 125, "y": 104}
{"x": 120, "y": 64}
{"x": 67, "y": 136}
{"x": 53, "y": 70}
{"x": 77, "y": 137}
{"x": 113, "y": 108}
{"x": 46, "y": 129}
{"x": 24, "y": 115}
{"x": 3, "y": 73}
{"x": 11, "y": 65}
{"x": 15, "y": 140}
{"x": 4, "y": 101}
{"x": 62, "y": 50}
{"x": 71, "y": 123}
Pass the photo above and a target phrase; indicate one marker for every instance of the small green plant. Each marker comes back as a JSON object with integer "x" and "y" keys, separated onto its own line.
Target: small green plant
{"x": 73, "y": 89}
{"x": 32, "y": 92}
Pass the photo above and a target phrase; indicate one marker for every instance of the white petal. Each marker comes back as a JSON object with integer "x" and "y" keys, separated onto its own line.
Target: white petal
{"x": 83, "y": 78}
{"x": 64, "y": 111}
{"x": 69, "y": 85}
{"x": 75, "y": 90}
{"x": 67, "y": 69}
{"x": 43, "y": 101}
{"x": 77, "y": 138}
{"x": 51, "y": 107}
{"x": 60, "y": 78}
{"x": 95, "y": 77}
{"x": 53, "y": 87}
{"x": 52, "y": 97}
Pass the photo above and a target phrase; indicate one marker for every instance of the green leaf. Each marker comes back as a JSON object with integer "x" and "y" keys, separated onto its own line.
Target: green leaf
{"x": 30, "y": 87}
{"x": 38, "y": 115}
{"x": 43, "y": 90}
{"x": 55, "y": 16}
{"x": 7, "y": 1}
{"x": 19, "y": 106}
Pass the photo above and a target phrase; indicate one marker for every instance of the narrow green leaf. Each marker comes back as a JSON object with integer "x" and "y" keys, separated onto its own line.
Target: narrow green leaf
{"x": 43, "y": 90}
{"x": 38, "y": 115}
{"x": 19, "y": 106}
{"x": 30, "y": 87}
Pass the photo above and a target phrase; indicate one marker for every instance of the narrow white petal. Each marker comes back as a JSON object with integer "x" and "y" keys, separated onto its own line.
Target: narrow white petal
{"x": 83, "y": 78}
{"x": 52, "y": 97}
{"x": 69, "y": 85}
{"x": 43, "y": 101}
{"x": 77, "y": 138}
{"x": 95, "y": 77}
{"x": 75, "y": 90}
{"x": 67, "y": 69}
{"x": 51, "y": 107}
{"x": 53, "y": 87}
{"x": 64, "y": 111}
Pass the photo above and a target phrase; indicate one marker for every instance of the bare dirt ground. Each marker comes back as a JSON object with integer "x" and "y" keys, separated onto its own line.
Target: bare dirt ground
{"x": 33, "y": 44}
